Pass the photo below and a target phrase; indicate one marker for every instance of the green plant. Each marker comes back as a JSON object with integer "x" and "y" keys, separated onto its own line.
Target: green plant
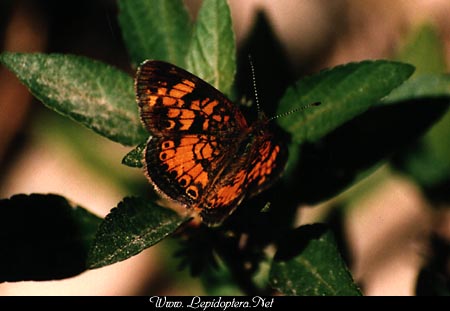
{"x": 370, "y": 111}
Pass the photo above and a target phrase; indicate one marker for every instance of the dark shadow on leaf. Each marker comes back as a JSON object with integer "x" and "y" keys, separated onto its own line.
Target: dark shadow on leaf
{"x": 44, "y": 237}
{"x": 297, "y": 240}
{"x": 426, "y": 163}
{"x": 334, "y": 163}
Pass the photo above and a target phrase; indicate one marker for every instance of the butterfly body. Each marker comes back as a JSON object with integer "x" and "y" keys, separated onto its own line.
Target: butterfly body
{"x": 202, "y": 153}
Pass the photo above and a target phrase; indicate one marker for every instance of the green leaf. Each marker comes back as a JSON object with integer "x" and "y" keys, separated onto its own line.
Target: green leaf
{"x": 423, "y": 86}
{"x": 133, "y": 226}
{"x": 97, "y": 95}
{"x": 43, "y": 237}
{"x": 308, "y": 263}
{"x": 425, "y": 50}
{"x": 212, "y": 53}
{"x": 155, "y": 29}
{"x": 344, "y": 92}
{"x": 134, "y": 157}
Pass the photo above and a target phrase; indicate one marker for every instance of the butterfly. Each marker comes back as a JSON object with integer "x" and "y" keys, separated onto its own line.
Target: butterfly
{"x": 202, "y": 154}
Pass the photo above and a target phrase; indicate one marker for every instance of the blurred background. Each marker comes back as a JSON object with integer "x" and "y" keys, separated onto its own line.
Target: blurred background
{"x": 41, "y": 152}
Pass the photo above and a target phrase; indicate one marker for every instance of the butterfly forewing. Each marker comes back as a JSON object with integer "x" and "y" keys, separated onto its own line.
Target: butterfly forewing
{"x": 173, "y": 100}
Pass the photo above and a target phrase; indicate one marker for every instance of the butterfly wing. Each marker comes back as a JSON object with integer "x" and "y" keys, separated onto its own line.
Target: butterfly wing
{"x": 249, "y": 173}
{"x": 172, "y": 100}
{"x": 267, "y": 164}
{"x": 193, "y": 126}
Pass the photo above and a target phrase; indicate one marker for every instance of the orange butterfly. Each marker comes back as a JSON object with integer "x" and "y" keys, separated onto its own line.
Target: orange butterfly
{"x": 202, "y": 153}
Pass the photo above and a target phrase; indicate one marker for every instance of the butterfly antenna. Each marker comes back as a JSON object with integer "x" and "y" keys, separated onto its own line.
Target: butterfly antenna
{"x": 281, "y": 115}
{"x": 254, "y": 83}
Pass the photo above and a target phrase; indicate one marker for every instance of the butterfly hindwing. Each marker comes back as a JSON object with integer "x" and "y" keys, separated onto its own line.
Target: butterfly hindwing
{"x": 183, "y": 167}
{"x": 247, "y": 174}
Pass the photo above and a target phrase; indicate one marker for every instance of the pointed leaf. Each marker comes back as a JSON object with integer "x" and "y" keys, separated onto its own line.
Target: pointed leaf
{"x": 134, "y": 157}
{"x": 212, "y": 53}
{"x": 127, "y": 230}
{"x": 97, "y": 95}
{"x": 308, "y": 263}
{"x": 43, "y": 237}
{"x": 425, "y": 50}
{"x": 344, "y": 92}
{"x": 155, "y": 29}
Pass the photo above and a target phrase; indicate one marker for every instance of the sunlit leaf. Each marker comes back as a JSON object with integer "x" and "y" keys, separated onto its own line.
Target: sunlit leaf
{"x": 95, "y": 94}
